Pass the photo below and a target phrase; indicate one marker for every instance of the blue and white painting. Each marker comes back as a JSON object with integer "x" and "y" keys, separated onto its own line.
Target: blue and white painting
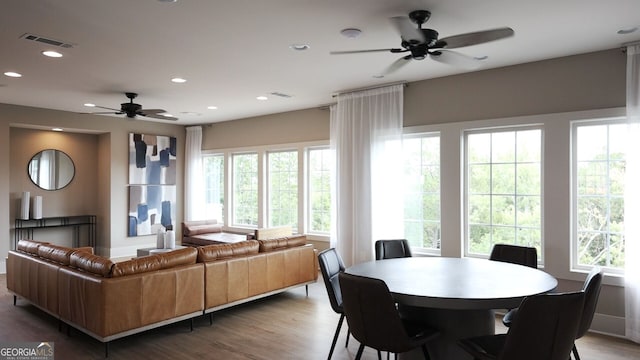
{"x": 151, "y": 207}
{"x": 152, "y": 159}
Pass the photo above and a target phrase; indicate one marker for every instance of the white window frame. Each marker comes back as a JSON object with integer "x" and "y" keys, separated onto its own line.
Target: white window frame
{"x": 492, "y": 130}
{"x": 422, "y": 135}
{"x": 268, "y": 154}
{"x": 307, "y": 190}
{"x": 575, "y": 266}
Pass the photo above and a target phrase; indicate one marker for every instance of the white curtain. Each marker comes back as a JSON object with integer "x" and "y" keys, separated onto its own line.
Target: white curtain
{"x": 366, "y": 138}
{"x": 193, "y": 177}
{"x": 632, "y": 197}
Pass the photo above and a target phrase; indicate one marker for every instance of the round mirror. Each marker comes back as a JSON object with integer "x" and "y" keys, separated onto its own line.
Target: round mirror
{"x": 51, "y": 169}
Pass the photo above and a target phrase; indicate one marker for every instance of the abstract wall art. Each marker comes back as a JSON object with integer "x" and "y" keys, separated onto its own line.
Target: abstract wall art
{"x": 152, "y": 159}
{"x": 151, "y": 207}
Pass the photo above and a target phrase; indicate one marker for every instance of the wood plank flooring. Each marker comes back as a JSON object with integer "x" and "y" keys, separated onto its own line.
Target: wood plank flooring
{"x": 285, "y": 326}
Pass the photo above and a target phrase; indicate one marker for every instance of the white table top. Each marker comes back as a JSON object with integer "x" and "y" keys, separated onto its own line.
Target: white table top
{"x": 457, "y": 283}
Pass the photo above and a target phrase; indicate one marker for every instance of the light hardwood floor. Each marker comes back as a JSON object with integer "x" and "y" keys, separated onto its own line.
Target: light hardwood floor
{"x": 285, "y": 326}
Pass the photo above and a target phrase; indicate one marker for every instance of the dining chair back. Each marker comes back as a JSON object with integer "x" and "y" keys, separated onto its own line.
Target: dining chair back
{"x": 591, "y": 288}
{"x": 522, "y": 255}
{"x": 374, "y": 320}
{"x": 331, "y": 265}
{"x": 390, "y": 249}
{"x": 545, "y": 329}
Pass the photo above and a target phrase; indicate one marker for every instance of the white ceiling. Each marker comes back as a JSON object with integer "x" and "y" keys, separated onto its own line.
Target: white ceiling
{"x": 232, "y": 51}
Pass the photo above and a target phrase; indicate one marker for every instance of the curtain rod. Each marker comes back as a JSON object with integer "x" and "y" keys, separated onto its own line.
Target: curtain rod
{"x": 370, "y": 88}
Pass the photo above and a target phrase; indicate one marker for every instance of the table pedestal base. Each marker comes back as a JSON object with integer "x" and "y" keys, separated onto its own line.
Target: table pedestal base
{"x": 453, "y": 325}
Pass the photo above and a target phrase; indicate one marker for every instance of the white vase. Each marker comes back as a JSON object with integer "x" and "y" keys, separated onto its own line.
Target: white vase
{"x": 160, "y": 239}
{"x": 24, "y": 205}
{"x": 169, "y": 239}
{"x": 37, "y": 207}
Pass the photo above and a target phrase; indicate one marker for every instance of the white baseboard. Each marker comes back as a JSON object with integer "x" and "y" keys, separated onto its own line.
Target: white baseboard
{"x": 608, "y": 325}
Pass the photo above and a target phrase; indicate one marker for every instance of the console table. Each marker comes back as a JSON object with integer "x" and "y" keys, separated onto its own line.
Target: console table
{"x": 24, "y": 228}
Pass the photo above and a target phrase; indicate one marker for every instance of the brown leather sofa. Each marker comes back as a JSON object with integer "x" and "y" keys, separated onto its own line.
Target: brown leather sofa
{"x": 248, "y": 270}
{"x": 104, "y": 299}
{"x": 109, "y": 300}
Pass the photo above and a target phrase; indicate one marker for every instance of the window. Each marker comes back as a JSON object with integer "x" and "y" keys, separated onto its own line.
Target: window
{"x": 422, "y": 191}
{"x": 598, "y": 201}
{"x": 213, "y": 170}
{"x": 503, "y": 190}
{"x": 245, "y": 189}
{"x": 283, "y": 188}
{"x": 319, "y": 190}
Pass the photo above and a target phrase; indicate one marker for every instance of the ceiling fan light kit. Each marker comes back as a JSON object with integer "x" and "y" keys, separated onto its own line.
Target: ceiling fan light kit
{"x": 421, "y": 42}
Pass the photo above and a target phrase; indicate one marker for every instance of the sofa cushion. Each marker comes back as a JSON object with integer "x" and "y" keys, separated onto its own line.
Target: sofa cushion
{"x": 223, "y": 251}
{"x": 91, "y": 263}
{"x": 55, "y": 253}
{"x": 29, "y": 246}
{"x": 273, "y": 232}
{"x": 201, "y": 229}
{"x": 136, "y": 266}
{"x": 178, "y": 257}
{"x": 282, "y": 243}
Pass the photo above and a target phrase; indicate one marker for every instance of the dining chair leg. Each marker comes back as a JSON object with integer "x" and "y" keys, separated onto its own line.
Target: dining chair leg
{"x": 575, "y": 352}
{"x": 335, "y": 336}
{"x": 359, "y": 354}
{"x": 425, "y": 351}
{"x": 346, "y": 343}
{"x": 379, "y": 355}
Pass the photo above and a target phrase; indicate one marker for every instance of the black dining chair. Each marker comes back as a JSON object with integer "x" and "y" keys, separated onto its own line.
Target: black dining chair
{"x": 374, "y": 320}
{"x": 591, "y": 289}
{"x": 390, "y": 249}
{"x": 331, "y": 265}
{"x": 515, "y": 254}
{"x": 545, "y": 329}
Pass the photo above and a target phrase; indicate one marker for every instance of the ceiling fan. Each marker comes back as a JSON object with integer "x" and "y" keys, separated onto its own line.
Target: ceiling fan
{"x": 420, "y": 43}
{"x": 132, "y": 109}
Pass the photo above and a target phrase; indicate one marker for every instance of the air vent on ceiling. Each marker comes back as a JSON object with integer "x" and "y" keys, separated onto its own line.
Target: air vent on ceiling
{"x": 275, "y": 93}
{"x": 45, "y": 40}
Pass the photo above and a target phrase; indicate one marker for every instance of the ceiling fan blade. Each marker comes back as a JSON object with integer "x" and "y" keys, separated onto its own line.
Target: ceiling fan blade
{"x": 161, "y": 117}
{"x": 407, "y": 29}
{"x": 361, "y": 51}
{"x": 455, "y": 58}
{"x": 108, "y": 108}
{"x": 475, "y": 38}
{"x": 396, "y": 65}
{"x": 152, "y": 111}
{"x": 106, "y": 113}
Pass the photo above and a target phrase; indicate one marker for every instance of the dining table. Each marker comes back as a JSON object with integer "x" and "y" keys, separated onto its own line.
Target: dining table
{"x": 457, "y": 296}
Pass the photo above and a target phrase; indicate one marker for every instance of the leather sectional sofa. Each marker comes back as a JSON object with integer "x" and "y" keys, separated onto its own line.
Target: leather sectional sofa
{"x": 109, "y": 300}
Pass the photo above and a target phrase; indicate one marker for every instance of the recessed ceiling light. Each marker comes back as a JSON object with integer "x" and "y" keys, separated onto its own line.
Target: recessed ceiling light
{"x": 168, "y": 1}
{"x": 627, "y": 30}
{"x": 13, "y": 74}
{"x": 378, "y": 76}
{"x": 90, "y": 105}
{"x": 351, "y": 33}
{"x": 299, "y": 47}
{"x": 481, "y": 58}
{"x": 262, "y": 98}
{"x": 166, "y": 115}
{"x": 51, "y": 53}
{"x": 56, "y": 129}
{"x": 212, "y": 107}
{"x": 179, "y": 80}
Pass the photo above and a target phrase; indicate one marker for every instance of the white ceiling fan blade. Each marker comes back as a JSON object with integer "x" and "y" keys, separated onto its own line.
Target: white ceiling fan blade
{"x": 396, "y": 65}
{"x": 455, "y": 58}
{"x": 408, "y": 30}
{"x": 475, "y": 38}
